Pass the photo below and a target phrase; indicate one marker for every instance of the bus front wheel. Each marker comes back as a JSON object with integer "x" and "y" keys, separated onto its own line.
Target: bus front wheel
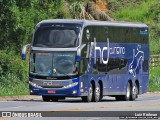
{"x": 90, "y": 95}
{"x": 46, "y": 98}
{"x": 54, "y": 99}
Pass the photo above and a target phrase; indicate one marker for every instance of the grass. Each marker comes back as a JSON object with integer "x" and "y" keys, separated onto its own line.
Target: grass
{"x": 154, "y": 82}
{"x": 10, "y": 85}
{"x": 13, "y": 74}
{"x": 136, "y": 12}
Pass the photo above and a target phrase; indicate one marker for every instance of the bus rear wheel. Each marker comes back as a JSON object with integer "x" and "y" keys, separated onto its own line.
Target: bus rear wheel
{"x": 88, "y": 98}
{"x": 127, "y": 96}
{"x": 97, "y": 93}
{"x": 134, "y": 92}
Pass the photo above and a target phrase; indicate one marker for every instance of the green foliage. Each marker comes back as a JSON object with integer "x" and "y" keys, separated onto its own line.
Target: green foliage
{"x": 139, "y": 13}
{"x": 11, "y": 85}
{"x": 13, "y": 74}
{"x": 154, "y": 83}
{"x": 12, "y": 63}
{"x": 17, "y": 21}
{"x": 76, "y": 9}
{"x": 116, "y": 5}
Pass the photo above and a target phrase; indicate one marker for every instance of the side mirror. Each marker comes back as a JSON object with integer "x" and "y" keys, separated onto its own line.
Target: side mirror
{"x": 24, "y": 50}
{"x": 78, "y": 56}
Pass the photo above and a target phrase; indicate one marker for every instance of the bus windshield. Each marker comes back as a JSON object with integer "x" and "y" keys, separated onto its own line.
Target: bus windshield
{"x": 56, "y": 37}
{"x": 53, "y": 64}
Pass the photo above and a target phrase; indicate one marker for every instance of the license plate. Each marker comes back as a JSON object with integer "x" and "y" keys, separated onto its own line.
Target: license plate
{"x": 51, "y": 91}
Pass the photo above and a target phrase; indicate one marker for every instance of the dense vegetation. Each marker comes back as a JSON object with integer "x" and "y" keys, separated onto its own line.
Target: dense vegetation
{"x": 17, "y": 22}
{"x": 18, "y": 18}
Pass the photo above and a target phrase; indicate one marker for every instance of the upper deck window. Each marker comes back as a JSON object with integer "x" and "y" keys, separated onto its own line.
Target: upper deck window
{"x": 56, "y": 37}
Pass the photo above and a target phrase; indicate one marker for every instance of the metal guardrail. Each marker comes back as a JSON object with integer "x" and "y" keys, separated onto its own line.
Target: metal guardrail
{"x": 154, "y": 60}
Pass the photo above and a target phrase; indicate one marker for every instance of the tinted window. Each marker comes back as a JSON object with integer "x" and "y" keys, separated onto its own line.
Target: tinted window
{"x": 145, "y": 66}
{"x": 128, "y": 35}
{"x": 53, "y": 64}
{"x": 56, "y": 37}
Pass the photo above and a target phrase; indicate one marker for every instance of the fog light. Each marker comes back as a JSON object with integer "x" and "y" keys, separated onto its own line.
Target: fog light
{"x": 31, "y": 91}
{"x": 74, "y": 92}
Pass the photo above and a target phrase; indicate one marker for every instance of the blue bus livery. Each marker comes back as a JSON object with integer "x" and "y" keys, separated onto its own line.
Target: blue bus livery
{"x": 88, "y": 59}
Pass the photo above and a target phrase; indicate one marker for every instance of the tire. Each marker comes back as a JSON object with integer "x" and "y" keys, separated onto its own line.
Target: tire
{"x": 61, "y": 98}
{"x": 127, "y": 96}
{"x": 46, "y": 98}
{"x": 54, "y": 99}
{"x": 97, "y": 93}
{"x": 128, "y": 93}
{"x": 134, "y": 92}
{"x": 101, "y": 97}
{"x": 88, "y": 98}
{"x": 119, "y": 98}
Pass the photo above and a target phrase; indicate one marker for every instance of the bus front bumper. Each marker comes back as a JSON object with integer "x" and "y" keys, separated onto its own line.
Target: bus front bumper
{"x": 72, "y": 91}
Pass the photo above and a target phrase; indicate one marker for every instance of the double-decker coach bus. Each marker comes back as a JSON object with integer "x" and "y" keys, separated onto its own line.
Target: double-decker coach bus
{"x": 88, "y": 59}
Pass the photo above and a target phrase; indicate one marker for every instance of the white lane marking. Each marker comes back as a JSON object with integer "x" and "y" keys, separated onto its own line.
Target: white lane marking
{"x": 17, "y": 107}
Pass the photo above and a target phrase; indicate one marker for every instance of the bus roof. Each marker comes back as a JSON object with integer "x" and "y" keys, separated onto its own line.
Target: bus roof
{"x": 93, "y": 22}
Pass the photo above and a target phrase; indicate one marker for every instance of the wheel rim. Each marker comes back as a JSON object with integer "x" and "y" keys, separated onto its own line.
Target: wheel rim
{"x": 97, "y": 92}
{"x": 135, "y": 90}
{"x": 90, "y": 92}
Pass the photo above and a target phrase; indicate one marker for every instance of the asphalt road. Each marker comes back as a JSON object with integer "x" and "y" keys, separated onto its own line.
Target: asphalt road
{"x": 146, "y": 105}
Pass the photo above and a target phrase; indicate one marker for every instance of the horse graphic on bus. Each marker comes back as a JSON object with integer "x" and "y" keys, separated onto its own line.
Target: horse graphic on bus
{"x": 137, "y": 59}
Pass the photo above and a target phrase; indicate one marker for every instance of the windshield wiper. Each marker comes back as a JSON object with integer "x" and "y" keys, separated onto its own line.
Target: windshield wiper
{"x": 64, "y": 75}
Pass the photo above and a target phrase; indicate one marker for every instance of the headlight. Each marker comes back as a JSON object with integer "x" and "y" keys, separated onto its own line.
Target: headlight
{"x": 35, "y": 85}
{"x": 71, "y": 85}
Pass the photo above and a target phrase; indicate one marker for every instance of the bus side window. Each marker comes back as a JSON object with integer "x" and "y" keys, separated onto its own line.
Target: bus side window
{"x": 145, "y": 66}
{"x": 116, "y": 65}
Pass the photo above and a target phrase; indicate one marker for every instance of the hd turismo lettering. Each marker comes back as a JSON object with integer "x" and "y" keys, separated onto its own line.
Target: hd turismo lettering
{"x": 112, "y": 50}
